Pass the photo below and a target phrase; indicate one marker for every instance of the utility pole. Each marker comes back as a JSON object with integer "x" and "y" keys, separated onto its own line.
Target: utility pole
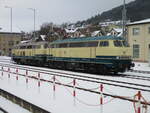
{"x": 33, "y": 20}
{"x": 124, "y": 21}
{"x": 10, "y": 17}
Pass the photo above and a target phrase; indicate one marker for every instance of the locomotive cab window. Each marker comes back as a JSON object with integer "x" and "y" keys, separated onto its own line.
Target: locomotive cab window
{"x": 104, "y": 44}
{"x": 117, "y": 43}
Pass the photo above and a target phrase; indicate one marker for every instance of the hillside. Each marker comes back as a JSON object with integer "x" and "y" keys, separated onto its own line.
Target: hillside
{"x": 136, "y": 10}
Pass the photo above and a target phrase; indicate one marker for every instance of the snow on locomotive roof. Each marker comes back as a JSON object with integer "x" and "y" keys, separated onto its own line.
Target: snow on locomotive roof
{"x": 80, "y": 39}
{"x": 31, "y": 43}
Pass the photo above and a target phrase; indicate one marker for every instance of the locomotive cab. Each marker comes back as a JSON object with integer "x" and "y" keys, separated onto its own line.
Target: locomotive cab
{"x": 115, "y": 53}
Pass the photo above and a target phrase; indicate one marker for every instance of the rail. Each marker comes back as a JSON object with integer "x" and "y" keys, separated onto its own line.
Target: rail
{"x": 2, "y": 110}
{"x": 23, "y": 103}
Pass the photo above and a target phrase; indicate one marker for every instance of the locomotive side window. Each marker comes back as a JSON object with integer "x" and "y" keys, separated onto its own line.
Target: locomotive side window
{"x": 29, "y": 47}
{"x": 63, "y": 45}
{"x": 117, "y": 43}
{"x": 56, "y": 46}
{"x": 104, "y": 44}
{"x": 92, "y": 44}
{"x": 45, "y": 45}
{"x": 125, "y": 44}
{"x": 38, "y": 46}
{"x": 33, "y": 46}
{"x": 78, "y": 44}
{"x": 22, "y": 47}
{"x": 51, "y": 46}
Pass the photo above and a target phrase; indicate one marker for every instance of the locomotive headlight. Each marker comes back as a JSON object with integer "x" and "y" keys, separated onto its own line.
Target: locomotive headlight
{"x": 117, "y": 57}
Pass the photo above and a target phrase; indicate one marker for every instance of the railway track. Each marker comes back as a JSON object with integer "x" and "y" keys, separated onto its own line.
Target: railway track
{"x": 146, "y": 78}
{"x": 120, "y": 75}
{"x": 140, "y": 71}
{"x": 3, "y": 110}
{"x": 81, "y": 78}
{"x": 23, "y": 103}
{"x": 92, "y": 79}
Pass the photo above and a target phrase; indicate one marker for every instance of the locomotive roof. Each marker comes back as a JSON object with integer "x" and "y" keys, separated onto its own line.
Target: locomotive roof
{"x": 83, "y": 39}
{"x": 31, "y": 43}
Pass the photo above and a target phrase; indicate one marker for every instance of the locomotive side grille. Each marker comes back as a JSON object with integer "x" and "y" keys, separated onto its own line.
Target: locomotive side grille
{"x": 125, "y": 57}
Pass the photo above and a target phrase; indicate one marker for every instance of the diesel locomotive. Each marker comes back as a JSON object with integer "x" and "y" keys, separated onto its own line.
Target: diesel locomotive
{"x": 92, "y": 54}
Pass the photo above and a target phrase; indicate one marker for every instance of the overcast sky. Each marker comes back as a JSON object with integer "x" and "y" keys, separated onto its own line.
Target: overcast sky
{"x": 56, "y": 11}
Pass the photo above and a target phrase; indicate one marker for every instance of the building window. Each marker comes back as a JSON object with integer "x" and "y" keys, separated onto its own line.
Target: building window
{"x": 17, "y": 42}
{"x": 149, "y": 30}
{"x": 10, "y": 43}
{"x": 136, "y": 51}
{"x": 136, "y": 31}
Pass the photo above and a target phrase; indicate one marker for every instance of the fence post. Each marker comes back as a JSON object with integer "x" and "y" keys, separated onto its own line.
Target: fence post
{"x": 2, "y": 71}
{"x": 54, "y": 88}
{"x": 26, "y": 76}
{"x": 139, "y": 102}
{"x": 101, "y": 92}
{"x": 16, "y": 73}
{"x": 74, "y": 87}
{"x": 39, "y": 79}
{"x": 8, "y": 72}
{"x": 101, "y": 97}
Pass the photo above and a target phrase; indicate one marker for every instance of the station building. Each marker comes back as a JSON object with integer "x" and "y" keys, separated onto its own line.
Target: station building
{"x": 7, "y": 41}
{"x": 139, "y": 39}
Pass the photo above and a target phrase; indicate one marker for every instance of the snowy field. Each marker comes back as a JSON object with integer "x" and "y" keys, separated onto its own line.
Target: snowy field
{"x": 62, "y": 100}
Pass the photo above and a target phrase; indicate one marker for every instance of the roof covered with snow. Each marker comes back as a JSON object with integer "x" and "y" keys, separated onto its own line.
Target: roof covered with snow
{"x": 43, "y": 37}
{"x": 140, "y": 22}
{"x": 95, "y": 33}
{"x": 71, "y": 30}
{"x": 118, "y": 30}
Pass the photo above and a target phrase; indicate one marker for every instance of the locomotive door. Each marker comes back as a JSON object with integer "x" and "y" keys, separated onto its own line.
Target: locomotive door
{"x": 33, "y": 50}
{"x": 92, "y": 52}
{"x": 149, "y": 54}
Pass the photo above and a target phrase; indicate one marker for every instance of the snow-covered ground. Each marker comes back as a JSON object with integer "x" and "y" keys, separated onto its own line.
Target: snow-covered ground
{"x": 142, "y": 66}
{"x": 11, "y": 107}
{"x": 62, "y": 100}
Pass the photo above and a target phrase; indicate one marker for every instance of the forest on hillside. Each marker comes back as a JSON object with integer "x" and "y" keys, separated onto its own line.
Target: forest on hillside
{"x": 136, "y": 10}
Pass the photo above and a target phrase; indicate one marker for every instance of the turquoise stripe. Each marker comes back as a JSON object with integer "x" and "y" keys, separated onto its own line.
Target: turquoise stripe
{"x": 106, "y": 57}
{"x": 87, "y": 60}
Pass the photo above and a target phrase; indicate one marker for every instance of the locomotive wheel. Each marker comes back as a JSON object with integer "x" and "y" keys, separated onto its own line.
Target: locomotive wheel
{"x": 103, "y": 70}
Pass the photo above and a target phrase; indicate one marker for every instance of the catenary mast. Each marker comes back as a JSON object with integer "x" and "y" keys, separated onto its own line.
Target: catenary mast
{"x": 124, "y": 21}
